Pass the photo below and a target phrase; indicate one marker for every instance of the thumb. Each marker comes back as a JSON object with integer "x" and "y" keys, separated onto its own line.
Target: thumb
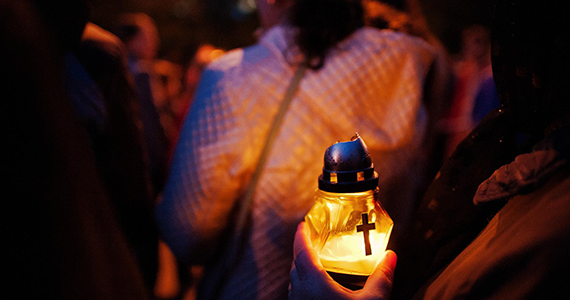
{"x": 380, "y": 282}
{"x": 306, "y": 260}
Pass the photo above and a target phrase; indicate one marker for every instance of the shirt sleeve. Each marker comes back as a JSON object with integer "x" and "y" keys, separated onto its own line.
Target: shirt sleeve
{"x": 206, "y": 173}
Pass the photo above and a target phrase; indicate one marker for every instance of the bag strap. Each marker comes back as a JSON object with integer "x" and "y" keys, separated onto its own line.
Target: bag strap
{"x": 211, "y": 289}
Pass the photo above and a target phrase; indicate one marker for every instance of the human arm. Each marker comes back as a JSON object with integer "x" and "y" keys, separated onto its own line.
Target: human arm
{"x": 309, "y": 280}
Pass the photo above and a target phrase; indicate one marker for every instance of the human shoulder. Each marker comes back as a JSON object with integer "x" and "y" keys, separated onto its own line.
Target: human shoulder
{"x": 238, "y": 59}
{"x": 230, "y": 60}
{"x": 399, "y": 41}
{"x": 236, "y": 67}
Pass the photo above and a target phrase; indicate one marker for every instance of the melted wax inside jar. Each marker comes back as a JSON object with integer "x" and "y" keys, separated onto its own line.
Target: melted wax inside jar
{"x": 346, "y": 253}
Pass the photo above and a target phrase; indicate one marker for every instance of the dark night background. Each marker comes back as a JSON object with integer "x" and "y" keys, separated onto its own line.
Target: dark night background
{"x": 185, "y": 24}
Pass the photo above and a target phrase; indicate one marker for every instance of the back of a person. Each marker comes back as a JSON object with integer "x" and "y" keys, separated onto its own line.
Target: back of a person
{"x": 372, "y": 87}
{"x": 371, "y": 83}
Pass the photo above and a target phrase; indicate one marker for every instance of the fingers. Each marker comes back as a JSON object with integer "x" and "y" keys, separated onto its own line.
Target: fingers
{"x": 380, "y": 282}
{"x": 302, "y": 240}
{"x": 308, "y": 266}
{"x": 309, "y": 279}
{"x": 303, "y": 260}
{"x": 296, "y": 289}
{"x": 306, "y": 260}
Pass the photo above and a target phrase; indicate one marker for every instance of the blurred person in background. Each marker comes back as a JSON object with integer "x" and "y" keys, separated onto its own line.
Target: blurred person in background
{"x": 181, "y": 88}
{"x": 86, "y": 210}
{"x": 475, "y": 94}
{"x": 157, "y": 82}
{"x": 140, "y": 36}
{"x": 360, "y": 79}
{"x": 106, "y": 102}
{"x": 170, "y": 78}
{"x": 139, "y": 33}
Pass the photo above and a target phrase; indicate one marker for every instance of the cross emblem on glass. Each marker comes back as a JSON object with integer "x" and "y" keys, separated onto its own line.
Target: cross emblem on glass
{"x": 365, "y": 228}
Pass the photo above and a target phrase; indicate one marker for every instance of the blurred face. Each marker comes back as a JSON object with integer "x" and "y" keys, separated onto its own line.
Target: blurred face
{"x": 145, "y": 44}
{"x": 272, "y": 12}
{"x": 476, "y": 43}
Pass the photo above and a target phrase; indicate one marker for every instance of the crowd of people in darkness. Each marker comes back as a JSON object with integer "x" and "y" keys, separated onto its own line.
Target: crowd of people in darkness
{"x": 125, "y": 171}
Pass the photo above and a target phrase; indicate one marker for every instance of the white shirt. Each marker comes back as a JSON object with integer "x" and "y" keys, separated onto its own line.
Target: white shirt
{"x": 371, "y": 83}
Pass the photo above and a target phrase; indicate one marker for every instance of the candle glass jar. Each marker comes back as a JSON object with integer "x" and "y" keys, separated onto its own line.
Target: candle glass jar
{"x": 349, "y": 231}
{"x": 348, "y": 227}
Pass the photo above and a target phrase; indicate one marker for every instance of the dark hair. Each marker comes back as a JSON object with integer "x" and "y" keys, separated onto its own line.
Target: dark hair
{"x": 66, "y": 17}
{"x": 126, "y": 32}
{"x": 322, "y": 24}
{"x": 400, "y": 5}
{"x": 129, "y": 25}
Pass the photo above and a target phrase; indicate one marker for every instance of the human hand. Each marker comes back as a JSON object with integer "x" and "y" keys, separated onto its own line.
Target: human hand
{"x": 309, "y": 280}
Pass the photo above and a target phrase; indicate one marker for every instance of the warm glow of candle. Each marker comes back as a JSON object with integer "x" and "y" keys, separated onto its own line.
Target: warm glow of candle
{"x": 345, "y": 253}
{"x": 341, "y": 223}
